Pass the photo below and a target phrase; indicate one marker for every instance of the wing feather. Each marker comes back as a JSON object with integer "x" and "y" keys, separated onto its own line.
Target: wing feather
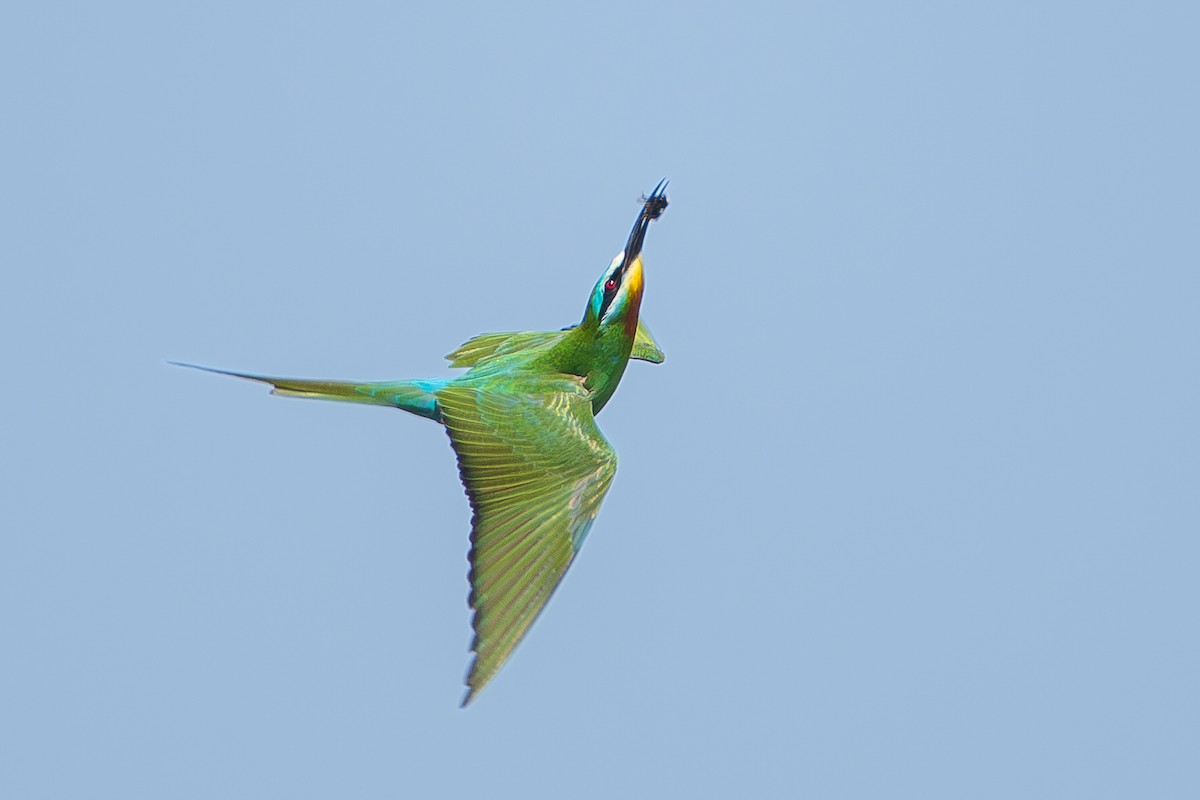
{"x": 492, "y": 345}
{"x": 536, "y": 469}
{"x": 488, "y": 346}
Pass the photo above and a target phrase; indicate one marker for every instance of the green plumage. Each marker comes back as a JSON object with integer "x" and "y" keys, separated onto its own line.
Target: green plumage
{"x": 491, "y": 345}
{"x": 522, "y": 423}
{"x": 536, "y": 468}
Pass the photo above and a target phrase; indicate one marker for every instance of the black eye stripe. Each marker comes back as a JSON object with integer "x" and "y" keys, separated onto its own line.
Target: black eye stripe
{"x": 610, "y": 292}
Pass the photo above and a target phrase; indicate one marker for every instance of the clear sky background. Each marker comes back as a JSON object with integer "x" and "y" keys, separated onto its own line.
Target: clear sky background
{"x": 911, "y": 509}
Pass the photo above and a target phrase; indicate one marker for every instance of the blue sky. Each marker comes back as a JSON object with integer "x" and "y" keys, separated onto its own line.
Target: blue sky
{"x": 910, "y": 510}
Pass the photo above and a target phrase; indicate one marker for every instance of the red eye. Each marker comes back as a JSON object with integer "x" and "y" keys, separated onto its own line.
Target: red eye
{"x": 610, "y": 284}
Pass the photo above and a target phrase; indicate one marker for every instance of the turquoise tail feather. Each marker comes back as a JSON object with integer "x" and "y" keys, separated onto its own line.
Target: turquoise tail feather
{"x": 416, "y": 397}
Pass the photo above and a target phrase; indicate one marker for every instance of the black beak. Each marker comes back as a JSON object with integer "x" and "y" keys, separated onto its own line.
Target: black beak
{"x": 652, "y": 209}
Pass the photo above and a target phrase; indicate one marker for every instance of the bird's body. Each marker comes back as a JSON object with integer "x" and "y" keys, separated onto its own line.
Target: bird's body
{"x": 521, "y": 421}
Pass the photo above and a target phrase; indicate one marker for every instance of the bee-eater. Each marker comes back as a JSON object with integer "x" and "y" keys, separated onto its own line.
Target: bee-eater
{"x": 522, "y": 422}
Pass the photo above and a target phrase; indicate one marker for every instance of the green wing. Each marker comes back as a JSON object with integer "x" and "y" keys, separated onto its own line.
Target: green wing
{"x": 536, "y": 469}
{"x": 492, "y": 345}
{"x": 644, "y": 346}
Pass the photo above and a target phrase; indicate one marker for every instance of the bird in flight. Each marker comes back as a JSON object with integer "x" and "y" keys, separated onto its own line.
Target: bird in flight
{"x": 522, "y": 422}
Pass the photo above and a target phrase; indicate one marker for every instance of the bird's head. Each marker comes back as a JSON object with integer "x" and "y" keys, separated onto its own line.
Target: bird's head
{"x": 617, "y": 297}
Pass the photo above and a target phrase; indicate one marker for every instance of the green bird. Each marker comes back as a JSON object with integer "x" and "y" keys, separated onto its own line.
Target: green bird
{"x": 522, "y": 422}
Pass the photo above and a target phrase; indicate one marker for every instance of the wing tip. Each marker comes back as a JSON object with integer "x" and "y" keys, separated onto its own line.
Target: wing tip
{"x": 473, "y": 680}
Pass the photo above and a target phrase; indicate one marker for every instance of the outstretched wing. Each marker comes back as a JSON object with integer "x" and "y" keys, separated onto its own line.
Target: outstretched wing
{"x": 487, "y": 346}
{"x": 492, "y": 345}
{"x": 536, "y": 469}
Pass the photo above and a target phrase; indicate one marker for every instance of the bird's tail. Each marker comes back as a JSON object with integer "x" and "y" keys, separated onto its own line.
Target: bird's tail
{"x": 417, "y": 397}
